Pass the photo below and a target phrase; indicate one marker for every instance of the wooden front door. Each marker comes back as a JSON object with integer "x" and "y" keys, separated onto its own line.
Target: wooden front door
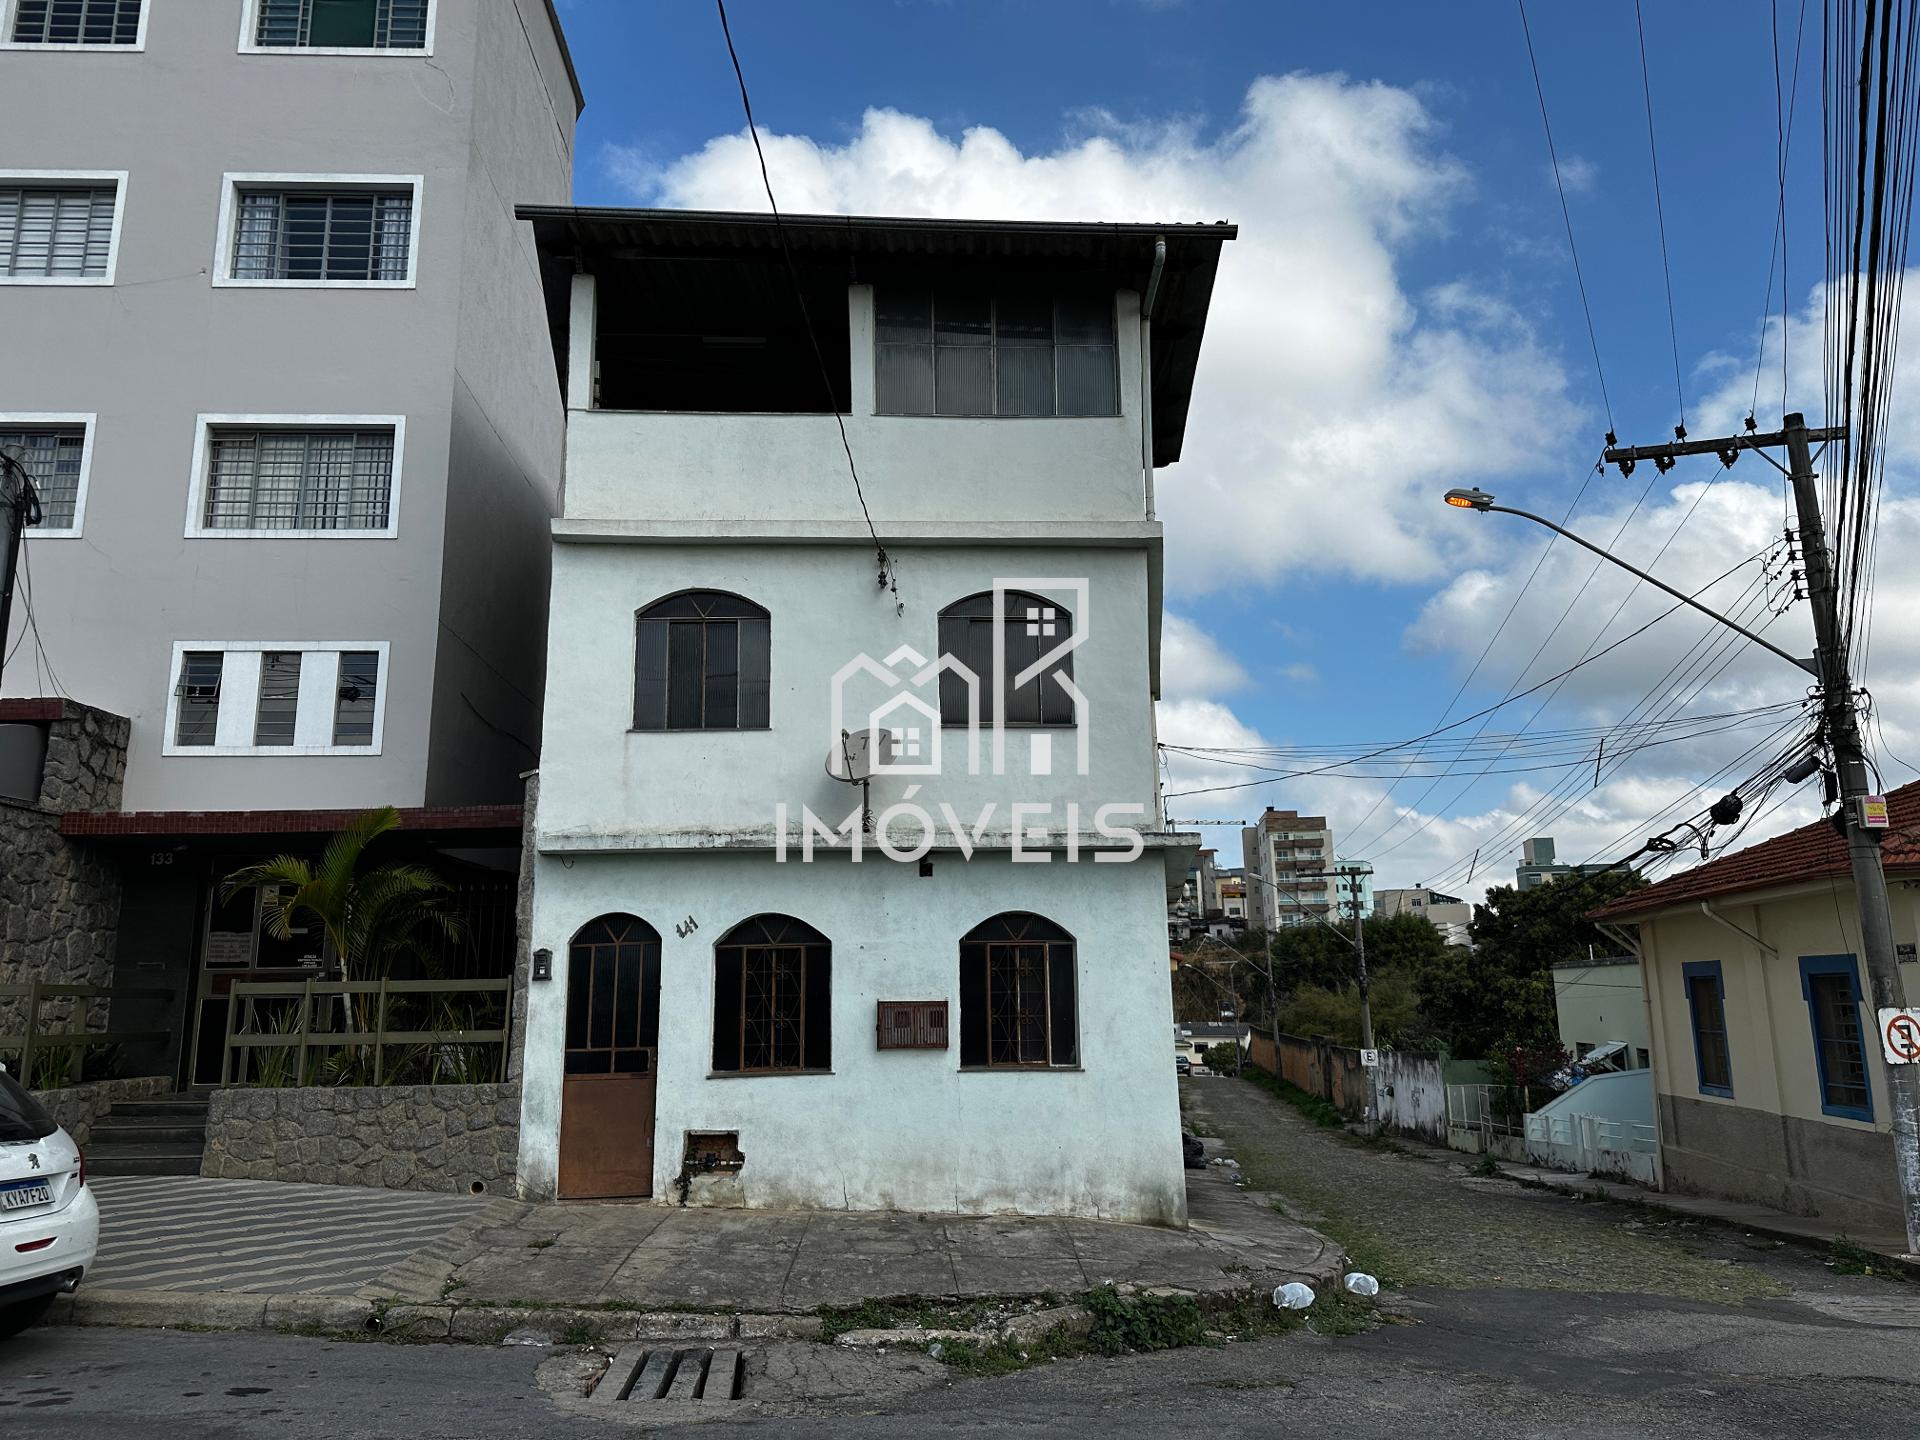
{"x": 612, "y": 1041}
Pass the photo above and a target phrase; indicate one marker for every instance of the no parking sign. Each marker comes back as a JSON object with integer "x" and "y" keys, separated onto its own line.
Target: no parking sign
{"x": 1900, "y": 1036}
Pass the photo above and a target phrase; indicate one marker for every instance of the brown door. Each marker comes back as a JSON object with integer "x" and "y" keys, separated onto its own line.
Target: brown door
{"x": 613, "y": 1035}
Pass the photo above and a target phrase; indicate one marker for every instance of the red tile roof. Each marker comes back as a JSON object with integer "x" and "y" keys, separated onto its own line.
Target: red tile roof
{"x": 1813, "y": 852}
{"x": 118, "y": 824}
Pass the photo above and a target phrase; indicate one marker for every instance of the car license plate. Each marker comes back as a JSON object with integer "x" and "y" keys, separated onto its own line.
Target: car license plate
{"x": 18, "y": 1197}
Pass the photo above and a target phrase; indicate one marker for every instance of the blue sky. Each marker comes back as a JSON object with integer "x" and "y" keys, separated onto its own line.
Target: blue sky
{"x": 1399, "y": 316}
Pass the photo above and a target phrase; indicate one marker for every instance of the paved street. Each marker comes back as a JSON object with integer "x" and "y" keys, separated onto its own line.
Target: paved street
{"x": 184, "y": 1233}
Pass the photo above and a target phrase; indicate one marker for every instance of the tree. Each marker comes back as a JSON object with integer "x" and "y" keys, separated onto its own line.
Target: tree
{"x": 1334, "y": 1013}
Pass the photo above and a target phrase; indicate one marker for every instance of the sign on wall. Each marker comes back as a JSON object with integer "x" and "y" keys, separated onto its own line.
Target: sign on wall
{"x": 1900, "y": 1036}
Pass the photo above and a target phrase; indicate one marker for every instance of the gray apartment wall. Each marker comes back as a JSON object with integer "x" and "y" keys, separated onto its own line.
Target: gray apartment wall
{"x": 162, "y": 345}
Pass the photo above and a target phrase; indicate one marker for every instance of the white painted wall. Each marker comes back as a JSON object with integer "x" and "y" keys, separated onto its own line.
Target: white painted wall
{"x": 901, "y": 1130}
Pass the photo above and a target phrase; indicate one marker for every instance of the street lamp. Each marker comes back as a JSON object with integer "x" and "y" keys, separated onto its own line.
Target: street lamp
{"x": 1472, "y": 499}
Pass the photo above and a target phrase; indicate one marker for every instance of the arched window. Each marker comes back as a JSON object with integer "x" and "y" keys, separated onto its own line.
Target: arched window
{"x": 1032, "y": 627}
{"x": 700, "y": 662}
{"x": 613, "y": 997}
{"x": 772, "y": 997}
{"x": 1018, "y": 996}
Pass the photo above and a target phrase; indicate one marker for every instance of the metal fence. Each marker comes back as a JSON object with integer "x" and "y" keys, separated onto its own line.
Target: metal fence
{"x": 367, "y": 1032}
{"x": 52, "y": 1051}
{"x": 1485, "y": 1110}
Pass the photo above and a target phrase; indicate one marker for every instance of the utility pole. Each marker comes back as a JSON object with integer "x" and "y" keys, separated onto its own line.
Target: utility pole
{"x": 1842, "y": 723}
{"x": 1360, "y": 954}
{"x": 21, "y": 504}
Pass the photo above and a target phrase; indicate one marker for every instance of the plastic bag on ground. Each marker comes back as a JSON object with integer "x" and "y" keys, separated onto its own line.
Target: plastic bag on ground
{"x": 1293, "y": 1296}
{"x": 1360, "y": 1283}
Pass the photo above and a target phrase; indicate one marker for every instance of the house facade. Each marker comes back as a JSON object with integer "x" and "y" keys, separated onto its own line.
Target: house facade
{"x": 851, "y": 871}
{"x": 1769, "y": 1080}
{"x": 297, "y": 446}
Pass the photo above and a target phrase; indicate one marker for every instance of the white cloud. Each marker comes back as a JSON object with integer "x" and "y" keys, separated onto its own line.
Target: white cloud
{"x": 1192, "y": 663}
{"x": 1578, "y": 175}
{"x": 1318, "y": 366}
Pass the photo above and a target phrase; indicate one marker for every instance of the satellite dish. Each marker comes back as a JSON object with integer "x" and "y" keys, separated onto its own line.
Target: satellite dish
{"x": 854, "y": 759}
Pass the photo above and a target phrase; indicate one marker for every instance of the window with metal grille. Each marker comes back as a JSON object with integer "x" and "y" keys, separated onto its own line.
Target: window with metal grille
{"x": 56, "y": 232}
{"x": 52, "y": 456}
{"x": 1018, "y": 995}
{"x": 1032, "y": 627}
{"x": 1707, "y": 1005}
{"x": 279, "y": 705}
{"x": 313, "y": 235}
{"x": 613, "y": 997}
{"x": 343, "y": 24}
{"x": 772, "y": 997}
{"x": 197, "y": 692}
{"x": 355, "y": 699}
{"x": 322, "y": 479}
{"x": 77, "y": 22}
{"x": 1831, "y": 986}
{"x": 702, "y": 661}
{"x": 1010, "y": 349}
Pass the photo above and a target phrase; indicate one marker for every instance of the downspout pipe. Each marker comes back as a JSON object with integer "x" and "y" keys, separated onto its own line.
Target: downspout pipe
{"x": 1740, "y": 930}
{"x": 1146, "y": 368}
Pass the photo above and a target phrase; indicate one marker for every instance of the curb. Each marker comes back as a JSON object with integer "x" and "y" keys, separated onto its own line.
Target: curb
{"x": 350, "y": 1317}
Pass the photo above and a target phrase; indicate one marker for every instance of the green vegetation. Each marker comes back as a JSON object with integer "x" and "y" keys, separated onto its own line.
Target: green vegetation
{"x": 1223, "y": 1058}
{"x": 1321, "y": 1112}
{"x": 1849, "y": 1257}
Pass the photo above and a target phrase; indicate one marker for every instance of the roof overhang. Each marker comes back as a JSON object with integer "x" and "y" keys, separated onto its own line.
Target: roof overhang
{"x": 574, "y": 240}
{"x": 463, "y": 825}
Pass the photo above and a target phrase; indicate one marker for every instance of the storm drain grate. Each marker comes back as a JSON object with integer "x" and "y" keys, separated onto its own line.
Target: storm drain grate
{"x": 654, "y": 1373}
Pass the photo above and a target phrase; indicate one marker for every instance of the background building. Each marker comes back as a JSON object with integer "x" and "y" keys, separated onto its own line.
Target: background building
{"x": 1449, "y": 914}
{"x": 1287, "y": 858}
{"x": 1537, "y": 864}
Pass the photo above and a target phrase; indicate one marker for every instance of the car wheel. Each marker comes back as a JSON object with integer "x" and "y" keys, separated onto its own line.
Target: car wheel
{"x": 18, "y": 1316}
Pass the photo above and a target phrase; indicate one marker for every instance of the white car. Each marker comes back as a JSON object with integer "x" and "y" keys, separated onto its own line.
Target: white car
{"x": 49, "y": 1225}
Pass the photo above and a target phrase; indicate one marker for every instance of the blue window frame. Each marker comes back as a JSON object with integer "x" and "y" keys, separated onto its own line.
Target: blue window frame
{"x": 1830, "y": 985}
{"x": 1707, "y": 1004}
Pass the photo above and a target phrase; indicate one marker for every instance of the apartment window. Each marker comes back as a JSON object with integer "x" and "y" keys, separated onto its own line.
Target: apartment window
{"x": 197, "y": 698}
{"x": 352, "y": 235}
{"x": 355, "y": 698}
{"x": 1032, "y": 629}
{"x": 1008, "y": 350}
{"x": 278, "y": 709}
{"x": 59, "y": 231}
{"x": 342, "y": 24}
{"x": 702, "y": 661}
{"x": 1018, "y": 1005}
{"x": 77, "y": 22}
{"x": 1707, "y": 1007}
{"x": 1831, "y": 986}
{"x": 268, "y": 479}
{"x": 54, "y": 456}
{"x": 772, "y": 997}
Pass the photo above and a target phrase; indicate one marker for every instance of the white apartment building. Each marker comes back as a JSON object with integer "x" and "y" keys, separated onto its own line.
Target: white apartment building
{"x": 1289, "y": 863}
{"x": 959, "y": 1003}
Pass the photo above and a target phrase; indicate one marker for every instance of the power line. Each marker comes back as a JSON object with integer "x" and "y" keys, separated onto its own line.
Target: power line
{"x": 1660, "y": 215}
{"x": 888, "y": 580}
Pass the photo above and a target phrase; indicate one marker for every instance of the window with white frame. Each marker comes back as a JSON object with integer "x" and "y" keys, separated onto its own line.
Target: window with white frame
{"x": 76, "y": 22}
{"x": 53, "y": 452}
{"x": 277, "y": 698}
{"x": 58, "y": 229}
{"x": 313, "y": 479}
{"x": 341, "y": 24}
{"x": 319, "y": 233}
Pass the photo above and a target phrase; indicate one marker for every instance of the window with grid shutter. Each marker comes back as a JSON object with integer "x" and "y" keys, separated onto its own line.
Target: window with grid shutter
{"x": 77, "y": 22}
{"x": 1013, "y": 349}
{"x": 56, "y": 231}
{"x": 773, "y": 997}
{"x": 279, "y": 705}
{"x": 1031, "y": 626}
{"x": 1018, "y": 994}
{"x": 51, "y": 455}
{"x": 312, "y": 235}
{"x": 298, "y": 479}
{"x": 702, "y": 661}
{"x": 198, "y": 689}
{"x": 343, "y": 24}
{"x": 354, "y": 703}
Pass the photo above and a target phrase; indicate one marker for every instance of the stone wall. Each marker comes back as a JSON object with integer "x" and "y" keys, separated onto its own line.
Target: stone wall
{"x": 79, "y": 1107}
{"x": 401, "y": 1137}
{"x": 60, "y": 898}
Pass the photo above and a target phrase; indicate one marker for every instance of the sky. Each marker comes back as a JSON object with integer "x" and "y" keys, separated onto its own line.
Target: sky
{"x": 1400, "y": 315}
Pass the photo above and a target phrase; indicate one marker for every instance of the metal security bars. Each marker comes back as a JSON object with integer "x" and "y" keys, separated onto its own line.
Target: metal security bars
{"x": 278, "y": 710}
{"x": 198, "y": 715}
{"x": 343, "y": 24}
{"x": 298, "y": 479}
{"x": 356, "y": 700}
{"x": 56, "y": 231}
{"x": 52, "y": 456}
{"x": 311, "y": 235}
{"x": 77, "y": 22}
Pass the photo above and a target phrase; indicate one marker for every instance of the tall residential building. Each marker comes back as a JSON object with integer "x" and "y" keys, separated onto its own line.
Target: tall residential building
{"x": 1538, "y": 865}
{"x": 1289, "y": 864}
{"x": 854, "y": 894}
{"x": 278, "y": 362}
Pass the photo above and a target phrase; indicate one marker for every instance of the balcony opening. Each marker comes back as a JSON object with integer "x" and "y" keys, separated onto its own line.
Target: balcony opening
{"x": 722, "y": 336}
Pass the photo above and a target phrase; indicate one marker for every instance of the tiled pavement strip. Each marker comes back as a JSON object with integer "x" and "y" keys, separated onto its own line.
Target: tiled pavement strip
{"x": 187, "y": 1234}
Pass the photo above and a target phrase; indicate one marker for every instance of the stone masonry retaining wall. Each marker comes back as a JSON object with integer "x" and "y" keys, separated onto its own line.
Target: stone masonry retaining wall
{"x": 401, "y": 1137}
{"x": 77, "y": 1107}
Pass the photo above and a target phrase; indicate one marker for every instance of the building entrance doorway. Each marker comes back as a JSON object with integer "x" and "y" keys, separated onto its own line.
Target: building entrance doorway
{"x": 612, "y": 1040}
